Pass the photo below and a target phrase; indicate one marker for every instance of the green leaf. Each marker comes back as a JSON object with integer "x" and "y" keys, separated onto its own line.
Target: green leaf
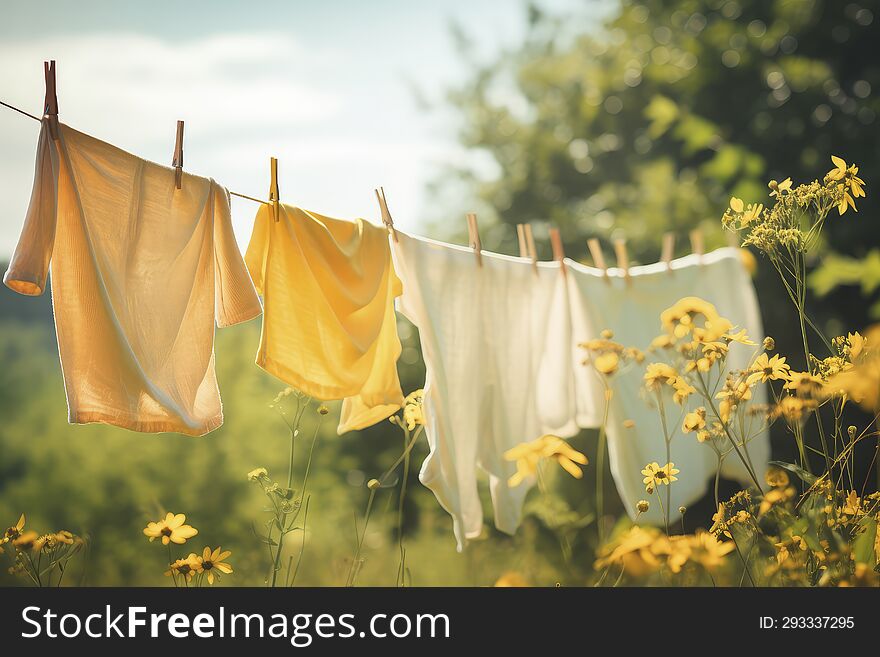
{"x": 837, "y": 270}
{"x": 662, "y": 112}
{"x": 863, "y": 546}
{"x": 796, "y": 470}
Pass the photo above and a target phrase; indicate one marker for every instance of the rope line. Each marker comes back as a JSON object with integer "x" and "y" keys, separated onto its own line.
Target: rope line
{"x": 39, "y": 120}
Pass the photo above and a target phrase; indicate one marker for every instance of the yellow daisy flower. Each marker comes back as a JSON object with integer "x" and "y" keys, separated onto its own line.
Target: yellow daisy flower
{"x": 171, "y": 529}
{"x": 656, "y": 475}
{"x": 186, "y": 567}
{"x": 768, "y": 369}
{"x": 212, "y": 563}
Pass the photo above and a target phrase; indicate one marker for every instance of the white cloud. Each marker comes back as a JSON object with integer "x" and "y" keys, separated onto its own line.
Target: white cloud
{"x": 243, "y": 97}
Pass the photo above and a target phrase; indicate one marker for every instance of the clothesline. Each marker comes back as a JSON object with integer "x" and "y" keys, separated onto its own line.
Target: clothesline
{"x": 696, "y": 236}
{"x": 38, "y": 119}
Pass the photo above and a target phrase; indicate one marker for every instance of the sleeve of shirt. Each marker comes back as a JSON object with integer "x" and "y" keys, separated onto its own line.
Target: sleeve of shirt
{"x": 29, "y": 267}
{"x": 255, "y": 257}
{"x": 235, "y": 299}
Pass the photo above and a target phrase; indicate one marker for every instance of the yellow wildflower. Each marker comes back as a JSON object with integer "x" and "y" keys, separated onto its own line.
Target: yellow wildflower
{"x": 776, "y": 188}
{"x": 776, "y": 477}
{"x": 664, "y": 341}
{"x": 183, "y": 567}
{"x": 752, "y": 213}
{"x": 775, "y": 496}
{"x": 682, "y": 391}
{"x": 768, "y": 369}
{"x": 13, "y": 532}
{"x": 861, "y": 380}
{"x": 793, "y": 409}
{"x": 171, "y": 529}
{"x": 258, "y": 473}
{"x": 695, "y": 420}
{"x": 658, "y": 374}
{"x": 413, "y": 412}
{"x": 212, "y": 563}
{"x": 638, "y": 551}
{"x": 679, "y": 319}
{"x": 804, "y": 384}
{"x": 849, "y": 183}
{"x": 28, "y": 540}
{"x": 736, "y": 204}
{"x": 529, "y": 455}
{"x": 740, "y": 336}
{"x": 656, "y": 475}
{"x": 853, "y": 505}
{"x": 607, "y": 363}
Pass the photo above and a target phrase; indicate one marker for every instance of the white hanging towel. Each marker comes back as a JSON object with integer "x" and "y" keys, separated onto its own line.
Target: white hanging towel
{"x": 496, "y": 342}
{"x": 632, "y": 312}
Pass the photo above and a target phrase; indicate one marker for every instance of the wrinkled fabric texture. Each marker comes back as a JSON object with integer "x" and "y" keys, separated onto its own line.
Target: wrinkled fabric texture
{"x": 495, "y": 341}
{"x": 633, "y": 314}
{"x": 140, "y": 272}
{"x": 329, "y": 327}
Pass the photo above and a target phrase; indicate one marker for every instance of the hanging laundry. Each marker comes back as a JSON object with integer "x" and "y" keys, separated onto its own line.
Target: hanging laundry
{"x": 495, "y": 337}
{"x": 329, "y": 327}
{"x": 632, "y": 312}
{"x": 140, "y": 272}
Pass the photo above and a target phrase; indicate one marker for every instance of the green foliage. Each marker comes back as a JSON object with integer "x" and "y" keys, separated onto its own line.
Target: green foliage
{"x": 652, "y": 121}
{"x": 837, "y": 270}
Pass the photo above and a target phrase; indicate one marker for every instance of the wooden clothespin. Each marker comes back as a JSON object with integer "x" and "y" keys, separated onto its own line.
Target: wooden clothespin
{"x": 50, "y": 106}
{"x": 668, "y": 250}
{"x": 474, "y": 237}
{"x": 698, "y": 243}
{"x": 622, "y": 259}
{"x": 530, "y": 246}
{"x": 521, "y": 240}
{"x": 558, "y": 250}
{"x": 274, "y": 195}
{"x": 598, "y": 258}
{"x": 386, "y": 214}
{"x": 177, "y": 161}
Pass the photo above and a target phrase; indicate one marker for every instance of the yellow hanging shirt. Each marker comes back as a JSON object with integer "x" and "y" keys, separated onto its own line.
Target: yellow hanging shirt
{"x": 329, "y": 327}
{"x": 141, "y": 272}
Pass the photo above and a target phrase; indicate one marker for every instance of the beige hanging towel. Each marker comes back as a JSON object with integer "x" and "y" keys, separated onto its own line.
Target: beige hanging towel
{"x": 140, "y": 272}
{"x": 329, "y": 328}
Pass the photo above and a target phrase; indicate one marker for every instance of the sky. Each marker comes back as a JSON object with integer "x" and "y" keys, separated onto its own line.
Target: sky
{"x": 326, "y": 87}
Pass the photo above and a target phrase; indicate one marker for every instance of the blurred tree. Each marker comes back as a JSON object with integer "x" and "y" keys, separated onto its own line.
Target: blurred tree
{"x": 652, "y": 122}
